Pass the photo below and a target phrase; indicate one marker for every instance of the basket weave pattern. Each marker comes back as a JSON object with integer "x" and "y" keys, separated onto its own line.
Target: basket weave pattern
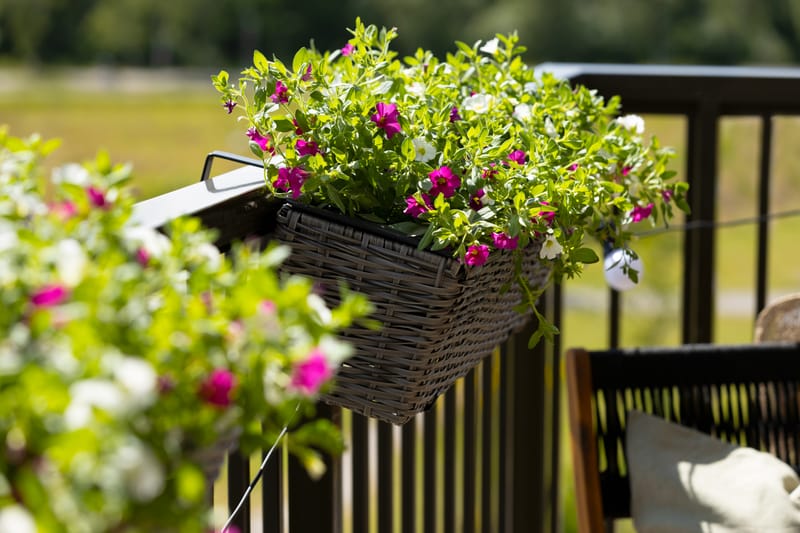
{"x": 438, "y": 318}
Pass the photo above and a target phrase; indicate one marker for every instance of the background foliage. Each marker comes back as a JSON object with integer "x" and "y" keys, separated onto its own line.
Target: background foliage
{"x": 214, "y": 32}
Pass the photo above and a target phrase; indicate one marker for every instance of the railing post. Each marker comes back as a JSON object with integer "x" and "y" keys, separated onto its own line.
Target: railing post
{"x": 698, "y": 276}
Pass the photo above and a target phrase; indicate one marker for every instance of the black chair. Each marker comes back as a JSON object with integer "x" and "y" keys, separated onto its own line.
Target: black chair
{"x": 748, "y": 395}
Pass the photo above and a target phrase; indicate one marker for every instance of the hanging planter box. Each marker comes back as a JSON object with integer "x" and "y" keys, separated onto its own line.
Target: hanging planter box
{"x": 438, "y": 318}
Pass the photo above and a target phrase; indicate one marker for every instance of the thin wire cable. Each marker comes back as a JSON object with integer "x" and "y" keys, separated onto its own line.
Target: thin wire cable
{"x": 706, "y": 224}
{"x": 257, "y": 477}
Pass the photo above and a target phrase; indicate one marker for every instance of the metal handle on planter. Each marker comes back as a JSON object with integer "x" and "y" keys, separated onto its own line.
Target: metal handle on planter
{"x": 229, "y": 157}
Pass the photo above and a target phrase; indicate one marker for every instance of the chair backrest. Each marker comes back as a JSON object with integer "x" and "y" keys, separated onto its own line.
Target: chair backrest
{"x": 748, "y": 395}
{"x": 779, "y": 320}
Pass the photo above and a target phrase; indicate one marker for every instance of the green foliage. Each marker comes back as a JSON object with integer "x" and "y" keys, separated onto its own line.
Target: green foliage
{"x": 126, "y": 353}
{"x": 481, "y": 151}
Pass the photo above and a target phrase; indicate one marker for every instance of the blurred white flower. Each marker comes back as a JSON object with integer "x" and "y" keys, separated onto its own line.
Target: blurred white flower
{"x": 478, "y": 103}
{"x": 71, "y": 262}
{"x": 491, "y": 46}
{"x": 142, "y": 472}
{"x": 71, "y": 173}
{"x": 317, "y": 304}
{"x": 89, "y": 394}
{"x": 16, "y": 519}
{"x": 550, "y": 248}
{"x": 208, "y": 254}
{"x": 155, "y": 243}
{"x": 522, "y": 112}
{"x": 416, "y": 88}
{"x": 8, "y": 236}
{"x": 138, "y": 378}
{"x": 632, "y": 122}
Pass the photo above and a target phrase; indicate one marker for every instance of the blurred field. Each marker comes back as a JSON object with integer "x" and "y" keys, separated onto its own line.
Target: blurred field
{"x": 164, "y": 123}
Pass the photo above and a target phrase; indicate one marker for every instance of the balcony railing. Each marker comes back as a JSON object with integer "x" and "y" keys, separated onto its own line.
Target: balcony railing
{"x": 486, "y": 456}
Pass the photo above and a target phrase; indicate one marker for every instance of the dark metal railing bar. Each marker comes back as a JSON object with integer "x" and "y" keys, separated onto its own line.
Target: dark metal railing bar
{"x": 385, "y": 477}
{"x": 489, "y": 433}
{"x": 504, "y": 458}
{"x": 555, "y": 415}
{"x": 764, "y": 179}
{"x": 360, "y": 473}
{"x": 698, "y": 274}
{"x": 615, "y": 315}
{"x": 449, "y": 460}
{"x": 238, "y": 480}
{"x": 271, "y": 497}
{"x": 408, "y": 475}
{"x": 471, "y": 436}
{"x": 432, "y": 501}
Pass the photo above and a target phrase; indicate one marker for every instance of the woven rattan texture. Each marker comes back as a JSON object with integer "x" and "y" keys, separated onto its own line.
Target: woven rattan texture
{"x": 438, "y": 319}
{"x": 746, "y": 395}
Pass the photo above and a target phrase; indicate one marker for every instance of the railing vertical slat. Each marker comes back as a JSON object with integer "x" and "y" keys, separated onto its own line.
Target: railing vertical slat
{"x": 360, "y": 503}
{"x": 432, "y": 500}
{"x": 698, "y": 288}
{"x": 409, "y": 477}
{"x": 449, "y": 460}
{"x": 271, "y": 494}
{"x": 490, "y": 386}
{"x": 763, "y": 210}
{"x": 470, "y": 439}
{"x": 385, "y": 478}
{"x": 238, "y": 480}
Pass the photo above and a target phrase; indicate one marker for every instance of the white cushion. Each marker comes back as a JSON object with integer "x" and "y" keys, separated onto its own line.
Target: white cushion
{"x": 685, "y": 481}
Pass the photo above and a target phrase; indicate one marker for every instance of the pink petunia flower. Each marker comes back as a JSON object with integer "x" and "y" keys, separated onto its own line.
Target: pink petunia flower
{"x": 142, "y": 257}
{"x": 97, "y": 198}
{"x": 386, "y": 117}
{"x": 217, "y": 389}
{"x": 546, "y": 217}
{"x": 573, "y": 167}
{"x": 640, "y": 212}
{"x": 414, "y": 208}
{"x": 476, "y": 255}
{"x": 517, "y": 156}
{"x": 347, "y": 49}
{"x": 262, "y": 142}
{"x": 291, "y": 179}
{"x": 281, "y": 94}
{"x": 306, "y": 147}
{"x": 49, "y": 295}
{"x": 503, "y": 241}
{"x": 309, "y": 375}
{"x": 64, "y": 210}
{"x": 626, "y": 171}
{"x": 444, "y": 182}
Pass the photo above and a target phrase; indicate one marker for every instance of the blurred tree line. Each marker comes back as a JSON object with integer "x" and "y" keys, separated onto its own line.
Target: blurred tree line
{"x": 225, "y": 32}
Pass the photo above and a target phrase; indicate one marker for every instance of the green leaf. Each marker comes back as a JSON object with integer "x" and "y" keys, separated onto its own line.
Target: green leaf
{"x": 260, "y": 62}
{"x": 584, "y": 255}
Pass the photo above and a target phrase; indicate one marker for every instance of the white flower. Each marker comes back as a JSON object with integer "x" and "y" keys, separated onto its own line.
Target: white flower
{"x": 71, "y": 173}
{"x": 71, "y": 262}
{"x": 143, "y": 473}
{"x": 491, "y": 46}
{"x": 17, "y": 519}
{"x": 208, "y": 254}
{"x": 416, "y": 88}
{"x": 88, "y": 394}
{"x": 138, "y": 378}
{"x": 156, "y": 244}
{"x": 8, "y": 236}
{"x": 549, "y": 128}
{"x": 478, "y": 103}
{"x": 550, "y": 248}
{"x": 530, "y": 87}
{"x": 424, "y": 150}
{"x": 522, "y": 112}
{"x": 317, "y": 304}
{"x": 632, "y": 122}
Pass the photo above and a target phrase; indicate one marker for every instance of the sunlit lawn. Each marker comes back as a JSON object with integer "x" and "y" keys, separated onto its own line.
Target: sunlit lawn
{"x": 166, "y": 135}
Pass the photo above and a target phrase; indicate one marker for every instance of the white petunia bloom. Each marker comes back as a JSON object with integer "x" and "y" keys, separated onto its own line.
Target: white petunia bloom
{"x": 72, "y": 173}
{"x": 522, "y": 112}
{"x": 316, "y": 303}
{"x": 17, "y": 519}
{"x": 8, "y": 236}
{"x": 550, "y": 129}
{"x": 89, "y": 394}
{"x": 155, "y": 243}
{"x": 208, "y": 254}
{"x": 550, "y": 248}
{"x": 632, "y": 122}
{"x": 71, "y": 262}
{"x": 138, "y": 378}
{"x": 425, "y": 151}
{"x": 478, "y": 103}
{"x": 142, "y": 472}
{"x": 491, "y": 46}
{"x": 416, "y": 88}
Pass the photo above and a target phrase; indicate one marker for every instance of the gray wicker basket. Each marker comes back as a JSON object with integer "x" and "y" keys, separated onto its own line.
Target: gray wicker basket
{"x": 438, "y": 318}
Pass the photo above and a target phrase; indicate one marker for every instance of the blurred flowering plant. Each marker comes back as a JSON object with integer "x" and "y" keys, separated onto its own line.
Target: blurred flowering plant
{"x": 125, "y": 353}
{"x": 477, "y": 154}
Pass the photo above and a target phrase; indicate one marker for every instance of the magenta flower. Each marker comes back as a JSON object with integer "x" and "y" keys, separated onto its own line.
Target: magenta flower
{"x": 217, "y": 388}
{"x": 414, "y": 208}
{"x": 64, "y": 210}
{"x": 454, "y": 116}
{"x": 165, "y": 384}
{"x": 97, "y": 198}
{"x": 347, "y": 49}
{"x": 476, "y": 199}
{"x": 307, "y": 75}
{"x": 476, "y": 255}
{"x": 517, "y": 156}
{"x": 489, "y": 172}
{"x": 49, "y": 295}
{"x": 444, "y": 182}
{"x": 503, "y": 241}
{"x": 262, "y": 142}
{"x": 281, "y": 94}
{"x": 626, "y": 171}
{"x": 291, "y": 179}
{"x": 573, "y": 167}
{"x": 142, "y": 257}
{"x": 386, "y": 118}
{"x": 267, "y": 307}
{"x": 297, "y": 129}
{"x": 546, "y": 217}
{"x": 640, "y": 212}
{"x": 229, "y": 105}
{"x": 309, "y": 375}
{"x": 666, "y": 194}
{"x": 306, "y": 147}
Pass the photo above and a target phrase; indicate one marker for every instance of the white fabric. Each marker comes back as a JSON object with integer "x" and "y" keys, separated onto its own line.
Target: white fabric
{"x": 685, "y": 481}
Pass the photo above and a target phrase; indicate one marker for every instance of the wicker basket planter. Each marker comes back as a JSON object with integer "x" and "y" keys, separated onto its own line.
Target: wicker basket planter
{"x": 438, "y": 318}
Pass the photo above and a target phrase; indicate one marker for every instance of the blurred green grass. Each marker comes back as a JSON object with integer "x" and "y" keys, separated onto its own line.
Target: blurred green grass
{"x": 166, "y": 134}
